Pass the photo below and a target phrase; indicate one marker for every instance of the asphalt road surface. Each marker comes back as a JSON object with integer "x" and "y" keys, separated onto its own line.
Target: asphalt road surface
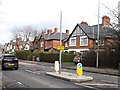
{"x": 32, "y": 75}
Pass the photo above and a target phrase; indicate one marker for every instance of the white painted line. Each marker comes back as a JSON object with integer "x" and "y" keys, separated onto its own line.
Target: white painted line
{"x": 109, "y": 81}
{"x": 87, "y": 86}
{"x": 32, "y": 72}
{"x": 20, "y": 83}
{"x": 100, "y": 84}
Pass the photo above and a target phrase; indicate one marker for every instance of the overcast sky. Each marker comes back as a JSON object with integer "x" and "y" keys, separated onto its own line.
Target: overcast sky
{"x": 46, "y": 14}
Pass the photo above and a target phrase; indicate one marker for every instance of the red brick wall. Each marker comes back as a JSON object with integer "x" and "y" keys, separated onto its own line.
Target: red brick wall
{"x": 55, "y": 43}
{"x": 90, "y": 44}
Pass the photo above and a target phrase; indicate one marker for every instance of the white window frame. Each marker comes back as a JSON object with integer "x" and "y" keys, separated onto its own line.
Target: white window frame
{"x": 81, "y": 41}
{"x": 66, "y": 44}
{"x": 42, "y": 44}
{"x": 73, "y": 38}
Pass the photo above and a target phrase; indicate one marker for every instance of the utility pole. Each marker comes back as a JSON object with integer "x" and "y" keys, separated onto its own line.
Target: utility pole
{"x": 98, "y": 35}
{"x": 60, "y": 42}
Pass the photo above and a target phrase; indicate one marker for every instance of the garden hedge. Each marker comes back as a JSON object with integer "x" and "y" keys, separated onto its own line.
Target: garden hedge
{"x": 106, "y": 60}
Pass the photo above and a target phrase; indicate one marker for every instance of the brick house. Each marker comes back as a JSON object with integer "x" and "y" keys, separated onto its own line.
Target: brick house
{"x": 84, "y": 37}
{"x": 48, "y": 41}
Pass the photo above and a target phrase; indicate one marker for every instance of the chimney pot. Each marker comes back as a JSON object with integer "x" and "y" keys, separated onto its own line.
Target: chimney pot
{"x": 49, "y": 31}
{"x": 84, "y": 23}
{"x": 43, "y": 32}
{"x": 67, "y": 32}
{"x": 55, "y": 30}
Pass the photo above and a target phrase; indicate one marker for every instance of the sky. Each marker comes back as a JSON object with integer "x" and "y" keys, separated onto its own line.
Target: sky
{"x": 46, "y": 14}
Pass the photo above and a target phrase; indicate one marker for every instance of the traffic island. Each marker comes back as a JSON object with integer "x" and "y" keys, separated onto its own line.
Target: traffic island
{"x": 70, "y": 76}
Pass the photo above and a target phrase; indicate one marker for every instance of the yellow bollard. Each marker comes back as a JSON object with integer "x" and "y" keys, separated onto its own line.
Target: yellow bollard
{"x": 79, "y": 69}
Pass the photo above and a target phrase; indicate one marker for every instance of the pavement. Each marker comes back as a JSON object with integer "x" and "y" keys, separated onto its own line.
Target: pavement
{"x": 107, "y": 71}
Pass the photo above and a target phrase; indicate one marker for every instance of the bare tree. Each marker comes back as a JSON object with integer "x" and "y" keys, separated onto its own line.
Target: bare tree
{"x": 115, "y": 24}
{"x": 25, "y": 33}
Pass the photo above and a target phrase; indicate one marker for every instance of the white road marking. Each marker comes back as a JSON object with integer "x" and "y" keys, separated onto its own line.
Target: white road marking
{"x": 109, "y": 81}
{"x": 100, "y": 84}
{"x": 32, "y": 72}
{"x": 87, "y": 86}
{"x": 20, "y": 84}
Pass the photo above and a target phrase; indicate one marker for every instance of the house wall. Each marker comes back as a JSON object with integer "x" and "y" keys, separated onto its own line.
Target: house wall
{"x": 52, "y": 43}
{"x": 81, "y": 48}
{"x": 36, "y": 44}
{"x": 91, "y": 43}
{"x": 55, "y": 43}
{"x": 48, "y": 44}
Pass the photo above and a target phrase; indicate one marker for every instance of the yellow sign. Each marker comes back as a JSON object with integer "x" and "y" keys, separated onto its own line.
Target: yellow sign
{"x": 60, "y": 47}
{"x": 79, "y": 69}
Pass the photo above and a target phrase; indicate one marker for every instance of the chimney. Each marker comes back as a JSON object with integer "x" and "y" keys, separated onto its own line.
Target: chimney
{"x": 43, "y": 32}
{"x": 55, "y": 30}
{"x": 105, "y": 21}
{"x": 67, "y": 32}
{"x": 84, "y": 23}
{"x": 49, "y": 31}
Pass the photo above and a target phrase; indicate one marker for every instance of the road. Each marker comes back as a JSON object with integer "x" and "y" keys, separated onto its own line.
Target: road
{"x": 32, "y": 75}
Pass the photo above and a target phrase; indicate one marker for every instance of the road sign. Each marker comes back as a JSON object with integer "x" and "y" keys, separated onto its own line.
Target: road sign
{"x": 79, "y": 69}
{"x": 60, "y": 47}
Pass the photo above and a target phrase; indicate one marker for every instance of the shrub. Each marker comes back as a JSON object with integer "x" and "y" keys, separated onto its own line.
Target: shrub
{"x": 90, "y": 59}
{"x": 49, "y": 57}
{"x": 68, "y": 57}
{"x": 23, "y": 54}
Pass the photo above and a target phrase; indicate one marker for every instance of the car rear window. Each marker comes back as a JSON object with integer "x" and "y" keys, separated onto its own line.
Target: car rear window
{"x": 9, "y": 56}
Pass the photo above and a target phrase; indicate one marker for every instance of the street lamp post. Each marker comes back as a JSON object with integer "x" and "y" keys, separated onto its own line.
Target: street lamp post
{"x": 97, "y": 61}
{"x": 60, "y": 41}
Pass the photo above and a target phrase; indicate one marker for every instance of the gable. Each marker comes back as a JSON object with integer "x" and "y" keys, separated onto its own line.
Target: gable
{"x": 78, "y": 32}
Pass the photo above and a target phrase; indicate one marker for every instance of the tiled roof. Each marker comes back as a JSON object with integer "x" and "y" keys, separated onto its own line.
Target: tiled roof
{"x": 92, "y": 31}
{"x": 54, "y": 36}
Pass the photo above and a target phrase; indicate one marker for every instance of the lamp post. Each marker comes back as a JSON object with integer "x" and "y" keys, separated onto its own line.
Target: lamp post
{"x": 60, "y": 41}
{"x": 97, "y": 61}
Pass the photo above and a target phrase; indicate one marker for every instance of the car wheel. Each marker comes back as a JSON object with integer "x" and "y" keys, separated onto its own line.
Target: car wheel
{"x": 16, "y": 68}
{"x": 2, "y": 68}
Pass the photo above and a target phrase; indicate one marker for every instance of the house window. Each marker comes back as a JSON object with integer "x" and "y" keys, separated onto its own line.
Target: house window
{"x": 73, "y": 41}
{"x": 36, "y": 45}
{"x": 84, "y": 41}
{"x": 66, "y": 44}
{"x": 42, "y": 44}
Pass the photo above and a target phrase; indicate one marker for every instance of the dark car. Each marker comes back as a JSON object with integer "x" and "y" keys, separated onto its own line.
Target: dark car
{"x": 9, "y": 61}
{"x": 77, "y": 59}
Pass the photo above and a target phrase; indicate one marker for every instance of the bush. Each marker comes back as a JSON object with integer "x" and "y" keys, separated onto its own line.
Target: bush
{"x": 105, "y": 60}
{"x": 109, "y": 60}
{"x": 90, "y": 59}
{"x": 68, "y": 57}
{"x": 23, "y": 54}
{"x": 49, "y": 57}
